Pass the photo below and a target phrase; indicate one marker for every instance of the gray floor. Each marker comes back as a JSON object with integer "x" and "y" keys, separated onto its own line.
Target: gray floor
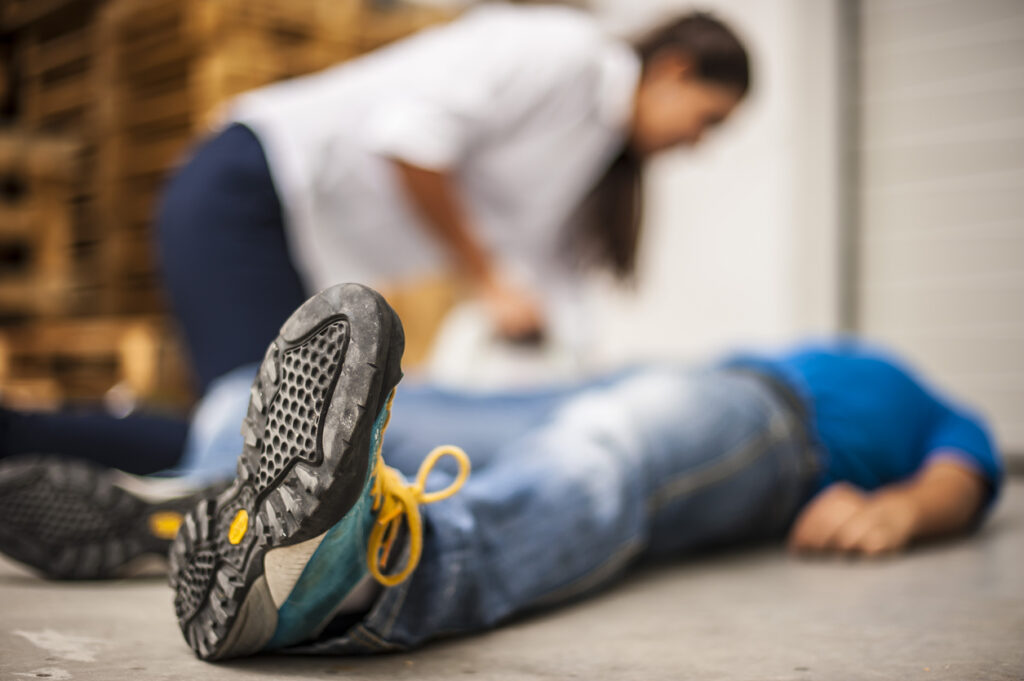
{"x": 952, "y": 611}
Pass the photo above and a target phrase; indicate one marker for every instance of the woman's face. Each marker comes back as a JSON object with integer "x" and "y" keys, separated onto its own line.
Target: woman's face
{"x": 674, "y": 107}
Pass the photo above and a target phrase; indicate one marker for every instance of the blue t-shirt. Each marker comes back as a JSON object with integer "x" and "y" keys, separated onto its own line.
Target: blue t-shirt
{"x": 876, "y": 422}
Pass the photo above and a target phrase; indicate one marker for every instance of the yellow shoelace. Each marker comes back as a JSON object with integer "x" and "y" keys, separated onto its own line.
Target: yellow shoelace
{"x": 394, "y": 499}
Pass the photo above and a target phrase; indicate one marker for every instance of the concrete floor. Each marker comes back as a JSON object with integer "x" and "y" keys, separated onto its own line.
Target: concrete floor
{"x": 953, "y": 611}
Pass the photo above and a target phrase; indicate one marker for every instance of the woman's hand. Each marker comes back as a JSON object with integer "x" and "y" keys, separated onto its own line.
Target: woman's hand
{"x": 515, "y": 312}
{"x": 845, "y": 519}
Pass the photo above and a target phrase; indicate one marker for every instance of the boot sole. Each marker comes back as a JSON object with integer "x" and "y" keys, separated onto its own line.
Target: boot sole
{"x": 319, "y": 389}
{"x": 69, "y": 519}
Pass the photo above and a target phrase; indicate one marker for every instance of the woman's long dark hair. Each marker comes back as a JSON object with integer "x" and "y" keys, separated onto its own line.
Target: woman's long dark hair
{"x": 607, "y": 226}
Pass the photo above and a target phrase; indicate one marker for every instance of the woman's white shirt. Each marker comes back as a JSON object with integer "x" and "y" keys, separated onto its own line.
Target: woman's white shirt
{"x": 524, "y": 106}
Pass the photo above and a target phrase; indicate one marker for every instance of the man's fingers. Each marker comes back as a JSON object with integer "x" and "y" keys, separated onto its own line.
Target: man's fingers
{"x": 852, "y": 532}
{"x": 823, "y": 516}
{"x": 877, "y": 542}
{"x": 807, "y": 535}
{"x": 808, "y": 532}
{"x": 867, "y": 534}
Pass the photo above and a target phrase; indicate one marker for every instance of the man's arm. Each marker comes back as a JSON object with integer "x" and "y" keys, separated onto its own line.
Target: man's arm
{"x": 943, "y": 498}
{"x": 435, "y": 196}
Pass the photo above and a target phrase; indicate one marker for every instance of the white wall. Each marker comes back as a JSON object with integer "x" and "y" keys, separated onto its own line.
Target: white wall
{"x": 741, "y": 233}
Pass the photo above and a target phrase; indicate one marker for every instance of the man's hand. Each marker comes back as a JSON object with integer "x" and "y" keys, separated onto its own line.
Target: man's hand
{"x": 941, "y": 499}
{"x": 845, "y": 519}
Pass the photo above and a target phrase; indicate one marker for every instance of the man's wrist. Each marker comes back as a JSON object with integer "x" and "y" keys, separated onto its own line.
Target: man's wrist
{"x": 904, "y": 509}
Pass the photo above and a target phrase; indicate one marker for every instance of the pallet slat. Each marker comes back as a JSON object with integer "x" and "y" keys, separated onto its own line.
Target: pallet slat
{"x": 82, "y": 359}
{"x": 37, "y": 224}
{"x": 58, "y": 54}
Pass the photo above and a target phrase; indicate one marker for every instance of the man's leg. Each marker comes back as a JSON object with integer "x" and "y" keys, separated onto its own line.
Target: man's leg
{"x": 482, "y": 423}
{"x": 660, "y": 461}
{"x": 310, "y": 520}
{"x": 267, "y": 561}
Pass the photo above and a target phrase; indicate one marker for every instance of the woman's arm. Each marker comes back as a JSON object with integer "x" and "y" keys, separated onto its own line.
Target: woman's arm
{"x": 434, "y": 194}
{"x": 494, "y": 68}
{"x": 943, "y": 498}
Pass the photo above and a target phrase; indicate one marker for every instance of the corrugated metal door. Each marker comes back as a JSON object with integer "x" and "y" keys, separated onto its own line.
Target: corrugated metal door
{"x": 941, "y": 229}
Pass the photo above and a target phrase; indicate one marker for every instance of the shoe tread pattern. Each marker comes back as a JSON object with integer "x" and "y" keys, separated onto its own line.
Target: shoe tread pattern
{"x": 208, "y": 569}
{"x": 69, "y": 520}
{"x": 282, "y": 479}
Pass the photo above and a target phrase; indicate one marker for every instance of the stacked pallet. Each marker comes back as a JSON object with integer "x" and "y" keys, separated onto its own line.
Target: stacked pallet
{"x": 48, "y": 354}
{"x": 394, "y": 21}
{"x": 56, "y": 46}
{"x": 38, "y": 257}
{"x": 59, "y": 83}
{"x": 48, "y": 362}
{"x": 170, "y": 65}
{"x": 128, "y": 85}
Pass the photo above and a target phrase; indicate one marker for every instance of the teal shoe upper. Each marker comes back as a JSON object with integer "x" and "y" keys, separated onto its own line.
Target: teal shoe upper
{"x": 335, "y": 568}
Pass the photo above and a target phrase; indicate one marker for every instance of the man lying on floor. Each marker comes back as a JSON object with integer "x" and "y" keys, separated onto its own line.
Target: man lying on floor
{"x": 319, "y": 546}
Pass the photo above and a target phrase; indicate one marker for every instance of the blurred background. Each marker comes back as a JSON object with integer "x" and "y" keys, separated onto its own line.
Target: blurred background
{"x": 872, "y": 183}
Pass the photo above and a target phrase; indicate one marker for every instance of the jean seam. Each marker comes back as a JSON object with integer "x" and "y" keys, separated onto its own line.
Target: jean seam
{"x": 389, "y": 621}
{"x": 746, "y": 452}
{"x": 594, "y": 577}
{"x": 358, "y": 636}
{"x": 375, "y": 642}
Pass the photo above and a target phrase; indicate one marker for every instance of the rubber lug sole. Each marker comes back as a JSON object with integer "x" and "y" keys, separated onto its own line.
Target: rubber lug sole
{"x": 68, "y": 519}
{"x": 307, "y": 433}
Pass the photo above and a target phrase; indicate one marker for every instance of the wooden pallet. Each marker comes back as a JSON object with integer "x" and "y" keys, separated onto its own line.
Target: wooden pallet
{"x": 170, "y": 65}
{"x": 206, "y": 51}
{"x": 79, "y": 360}
{"x": 138, "y": 81}
{"x": 380, "y": 27}
{"x": 39, "y": 158}
{"x": 142, "y": 79}
{"x": 38, "y": 264}
{"x": 59, "y": 87}
{"x": 56, "y": 49}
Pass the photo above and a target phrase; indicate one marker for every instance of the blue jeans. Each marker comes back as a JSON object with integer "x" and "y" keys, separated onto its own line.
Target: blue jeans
{"x": 571, "y": 485}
